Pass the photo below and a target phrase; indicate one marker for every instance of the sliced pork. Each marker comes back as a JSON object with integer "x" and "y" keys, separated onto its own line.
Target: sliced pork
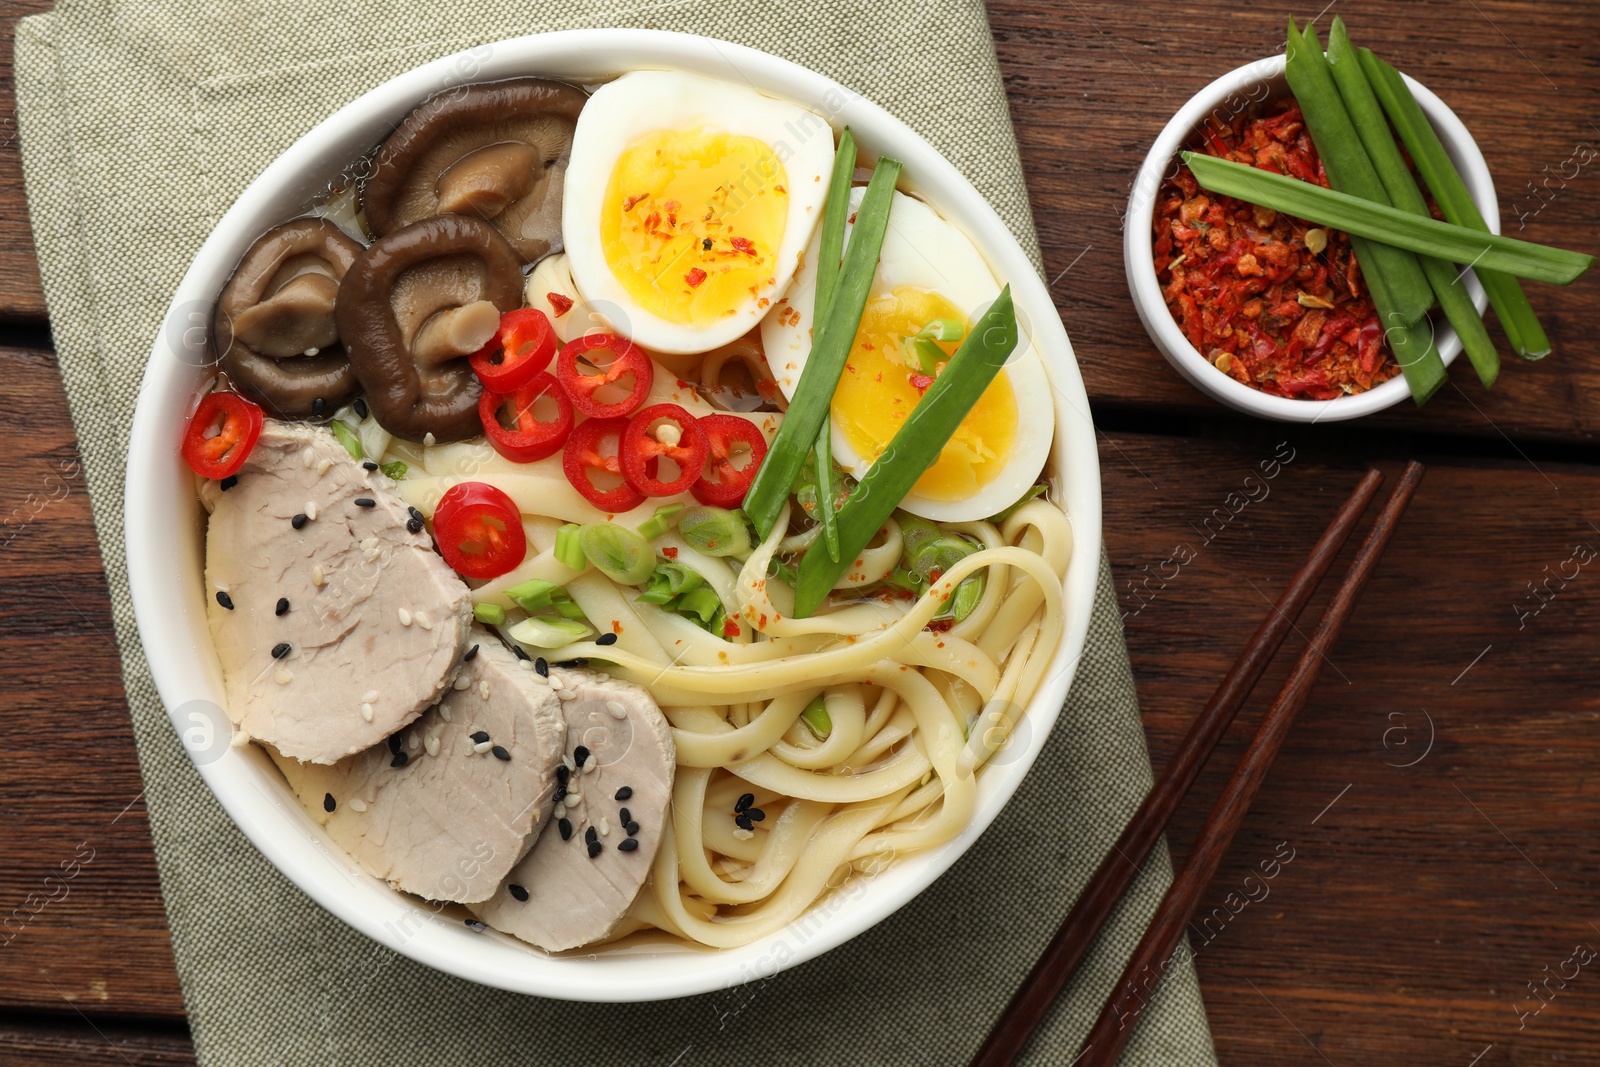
{"x": 585, "y": 870}
{"x": 334, "y": 620}
{"x": 448, "y": 805}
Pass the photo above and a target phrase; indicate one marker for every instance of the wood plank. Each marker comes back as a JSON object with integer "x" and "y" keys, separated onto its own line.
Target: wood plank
{"x": 1091, "y": 86}
{"x": 81, "y": 918}
{"x": 20, "y": 294}
{"x": 88, "y": 1042}
{"x": 1420, "y": 901}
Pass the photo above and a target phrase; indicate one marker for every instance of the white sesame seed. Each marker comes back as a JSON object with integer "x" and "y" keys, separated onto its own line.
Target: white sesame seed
{"x": 560, "y": 810}
{"x": 605, "y": 826}
{"x": 405, "y": 617}
{"x": 471, "y": 745}
{"x": 463, "y": 682}
{"x": 617, "y": 710}
{"x": 556, "y": 683}
{"x": 312, "y": 351}
{"x": 311, "y": 510}
{"x": 445, "y": 713}
{"x": 432, "y": 744}
{"x": 591, "y": 766}
{"x": 369, "y": 696}
{"x": 307, "y": 456}
{"x": 482, "y": 746}
{"x": 525, "y": 664}
{"x": 741, "y": 834}
{"x": 317, "y": 578}
{"x": 423, "y": 620}
{"x": 413, "y": 742}
{"x": 567, "y": 762}
{"x": 573, "y": 799}
{"x": 366, "y": 712}
{"x": 483, "y": 689}
{"x": 283, "y": 677}
{"x": 358, "y": 805}
{"x": 322, "y": 466}
{"x": 568, "y": 694}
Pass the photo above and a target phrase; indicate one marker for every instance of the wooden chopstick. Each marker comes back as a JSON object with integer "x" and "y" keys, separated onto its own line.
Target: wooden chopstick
{"x": 1155, "y": 950}
{"x": 1066, "y": 950}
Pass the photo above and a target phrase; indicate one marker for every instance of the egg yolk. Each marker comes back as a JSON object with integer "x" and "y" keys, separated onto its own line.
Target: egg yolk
{"x": 692, "y": 222}
{"x": 879, "y": 389}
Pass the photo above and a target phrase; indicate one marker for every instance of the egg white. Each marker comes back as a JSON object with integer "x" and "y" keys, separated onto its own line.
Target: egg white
{"x": 923, "y": 251}
{"x": 634, "y": 105}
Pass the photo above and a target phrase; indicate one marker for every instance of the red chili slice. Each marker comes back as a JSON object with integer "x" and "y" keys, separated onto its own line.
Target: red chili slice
{"x": 521, "y": 348}
{"x": 220, "y": 434}
{"x": 583, "y": 456}
{"x": 583, "y": 387}
{"x": 725, "y": 435}
{"x": 643, "y": 449}
{"x": 479, "y": 530}
{"x": 514, "y": 428}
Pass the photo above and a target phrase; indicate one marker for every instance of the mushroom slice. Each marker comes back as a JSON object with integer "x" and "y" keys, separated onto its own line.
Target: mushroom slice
{"x": 495, "y": 151}
{"x": 415, "y": 303}
{"x": 273, "y": 329}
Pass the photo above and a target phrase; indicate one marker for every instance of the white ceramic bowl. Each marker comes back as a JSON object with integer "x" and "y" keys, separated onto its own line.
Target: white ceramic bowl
{"x": 165, "y": 543}
{"x": 1238, "y": 89}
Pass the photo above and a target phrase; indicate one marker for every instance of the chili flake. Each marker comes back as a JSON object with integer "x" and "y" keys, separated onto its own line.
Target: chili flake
{"x": 1270, "y": 300}
{"x": 560, "y": 302}
{"x": 695, "y": 277}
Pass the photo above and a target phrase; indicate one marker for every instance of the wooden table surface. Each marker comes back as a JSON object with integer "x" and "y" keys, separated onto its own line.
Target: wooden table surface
{"x": 1435, "y": 793}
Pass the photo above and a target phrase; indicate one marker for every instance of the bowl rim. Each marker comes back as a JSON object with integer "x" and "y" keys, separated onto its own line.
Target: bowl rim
{"x": 1139, "y": 258}
{"x": 168, "y": 590}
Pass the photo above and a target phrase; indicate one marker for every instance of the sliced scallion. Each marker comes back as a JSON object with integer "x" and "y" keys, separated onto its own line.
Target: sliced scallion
{"x": 395, "y": 469}
{"x": 659, "y": 523}
{"x": 831, "y": 341}
{"x": 1425, "y": 236}
{"x": 1505, "y": 293}
{"x": 568, "y": 551}
{"x": 535, "y": 594}
{"x": 914, "y": 448}
{"x": 489, "y": 614}
{"x": 817, "y": 719}
{"x": 617, "y": 552}
{"x": 347, "y": 437}
{"x": 1373, "y": 128}
{"x": 541, "y": 631}
{"x": 714, "y": 531}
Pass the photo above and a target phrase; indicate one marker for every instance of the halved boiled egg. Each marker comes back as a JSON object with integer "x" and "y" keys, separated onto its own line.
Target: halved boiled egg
{"x": 931, "y": 281}
{"x": 688, "y": 202}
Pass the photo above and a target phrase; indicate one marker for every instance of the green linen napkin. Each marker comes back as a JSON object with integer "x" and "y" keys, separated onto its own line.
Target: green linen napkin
{"x": 141, "y": 122}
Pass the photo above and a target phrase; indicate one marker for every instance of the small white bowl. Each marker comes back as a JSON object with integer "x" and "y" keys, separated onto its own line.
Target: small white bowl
{"x": 1251, "y": 84}
{"x": 165, "y": 543}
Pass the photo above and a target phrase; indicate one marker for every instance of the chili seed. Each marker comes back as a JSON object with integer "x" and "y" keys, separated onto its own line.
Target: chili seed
{"x": 298, "y": 521}
{"x": 624, "y": 793}
{"x": 365, "y": 502}
{"x": 283, "y": 606}
{"x": 280, "y": 650}
{"x": 606, "y": 639}
{"x": 328, "y": 803}
{"x": 517, "y": 891}
{"x": 225, "y": 600}
{"x": 628, "y": 844}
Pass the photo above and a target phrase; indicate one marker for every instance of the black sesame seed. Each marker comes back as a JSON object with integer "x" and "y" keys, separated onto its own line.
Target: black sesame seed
{"x": 744, "y": 801}
{"x": 369, "y": 465}
{"x": 606, "y": 639}
{"x": 280, "y": 650}
{"x": 517, "y": 891}
{"x": 480, "y": 736}
{"x": 328, "y": 803}
{"x": 540, "y": 667}
{"x": 565, "y": 826}
{"x": 591, "y": 834}
{"x": 414, "y": 525}
{"x": 474, "y": 924}
{"x": 631, "y": 829}
{"x": 757, "y": 814}
{"x": 225, "y": 600}
{"x": 624, "y": 793}
{"x": 520, "y": 654}
{"x": 500, "y": 753}
{"x": 365, "y": 502}
{"x": 705, "y": 244}
{"x": 594, "y": 849}
{"x": 283, "y": 606}
{"x": 562, "y": 774}
{"x": 625, "y": 815}
{"x": 318, "y": 406}
{"x": 229, "y": 482}
{"x": 472, "y": 654}
{"x": 298, "y": 521}
{"x": 561, "y": 792}
{"x": 577, "y": 661}
{"x": 394, "y": 742}
{"x": 628, "y": 844}
{"x": 400, "y": 760}
{"x": 415, "y": 514}
{"x": 743, "y": 822}
{"x": 361, "y": 407}
{"x": 580, "y": 755}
